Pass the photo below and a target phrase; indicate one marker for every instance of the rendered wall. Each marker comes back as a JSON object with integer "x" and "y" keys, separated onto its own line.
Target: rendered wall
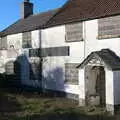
{"x": 81, "y": 87}
{"x": 116, "y": 76}
{"x": 95, "y": 44}
{"x": 26, "y": 61}
{"x": 54, "y": 66}
{"x": 109, "y": 89}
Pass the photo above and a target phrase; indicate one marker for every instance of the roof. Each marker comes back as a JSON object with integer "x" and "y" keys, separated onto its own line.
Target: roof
{"x": 81, "y": 10}
{"x": 30, "y": 23}
{"x": 72, "y": 11}
{"x": 107, "y": 56}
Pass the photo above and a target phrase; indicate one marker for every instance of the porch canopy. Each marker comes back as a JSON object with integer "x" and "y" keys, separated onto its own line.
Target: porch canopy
{"x": 101, "y": 58}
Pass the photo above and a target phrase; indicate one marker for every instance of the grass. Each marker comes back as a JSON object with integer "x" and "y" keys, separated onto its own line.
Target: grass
{"x": 33, "y": 106}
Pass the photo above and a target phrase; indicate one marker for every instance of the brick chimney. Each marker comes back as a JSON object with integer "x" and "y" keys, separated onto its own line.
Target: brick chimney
{"x": 26, "y": 9}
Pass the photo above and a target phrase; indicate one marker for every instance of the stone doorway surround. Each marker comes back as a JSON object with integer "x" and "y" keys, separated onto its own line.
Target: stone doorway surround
{"x": 109, "y": 63}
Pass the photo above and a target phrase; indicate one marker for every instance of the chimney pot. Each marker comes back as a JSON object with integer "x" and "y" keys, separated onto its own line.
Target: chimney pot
{"x": 26, "y": 9}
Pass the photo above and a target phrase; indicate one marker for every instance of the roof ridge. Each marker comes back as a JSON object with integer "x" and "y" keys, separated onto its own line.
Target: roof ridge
{"x": 44, "y": 12}
{"x": 60, "y": 9}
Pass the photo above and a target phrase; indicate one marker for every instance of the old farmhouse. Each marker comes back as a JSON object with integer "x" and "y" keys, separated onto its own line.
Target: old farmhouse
{"x": 73, "y": 50}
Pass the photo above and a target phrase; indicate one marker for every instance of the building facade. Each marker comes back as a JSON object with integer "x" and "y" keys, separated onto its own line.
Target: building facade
{"x": 74, "y": 50}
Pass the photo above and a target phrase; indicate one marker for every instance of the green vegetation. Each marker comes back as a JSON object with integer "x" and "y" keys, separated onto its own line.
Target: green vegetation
{"x": 34, "y": 106}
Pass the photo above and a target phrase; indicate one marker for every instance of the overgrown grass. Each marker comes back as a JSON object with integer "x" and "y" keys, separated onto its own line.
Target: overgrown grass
{"x": 31, "y": 106}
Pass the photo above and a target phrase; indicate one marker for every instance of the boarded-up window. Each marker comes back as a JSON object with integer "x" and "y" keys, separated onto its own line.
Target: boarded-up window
{"x": 9, "y": 68}
{"x": 74, "y": 32}
{"x": 52, "y": 51}
{"x": 71, "y": 73}
{"x": 109, "y": 27}
{"x": 13, "y": 71}
{"x": 3, "y": 43}
{"x": 26, "y": 40}
{"x": 35, "y": 69}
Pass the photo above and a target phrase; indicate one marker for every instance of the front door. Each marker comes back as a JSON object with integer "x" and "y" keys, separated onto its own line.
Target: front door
{"x": 95, "y": 85}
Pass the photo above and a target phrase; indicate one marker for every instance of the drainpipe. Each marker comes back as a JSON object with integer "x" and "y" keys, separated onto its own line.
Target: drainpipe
{"x": 41, "y": 59}
{"x": 84, "y": 38}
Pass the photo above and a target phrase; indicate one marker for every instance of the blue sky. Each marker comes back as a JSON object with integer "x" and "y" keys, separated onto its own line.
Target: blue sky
{"x": 10, "y": 9}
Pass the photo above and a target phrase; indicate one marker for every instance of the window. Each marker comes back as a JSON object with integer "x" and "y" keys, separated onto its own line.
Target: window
{"x": 52, "y": 51}
{"x": 109, "y": 27}
{"x": 26, "y": 40}
{"x": 3, "y": 43}
{"x": 9, "y": 67}
{"x": 74, "y": 32}
{"x": 35, "y": 69}
{"x": 71, "y": 73}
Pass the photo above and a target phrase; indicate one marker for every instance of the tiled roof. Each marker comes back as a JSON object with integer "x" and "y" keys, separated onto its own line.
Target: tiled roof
{"x": 80, "y": 10}
{"x": 72, "y": 11}
{"x": 107, "y": 56}
{"x": 30, "y": 23}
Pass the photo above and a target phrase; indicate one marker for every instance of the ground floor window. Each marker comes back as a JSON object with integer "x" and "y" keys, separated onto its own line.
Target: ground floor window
{"x": 35, "y": 69}
{"x": 71, "y": 73}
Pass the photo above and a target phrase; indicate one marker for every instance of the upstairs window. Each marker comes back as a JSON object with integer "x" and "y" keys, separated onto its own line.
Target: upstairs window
{"x": 26, "y": 40}
{"x": 109, "y": 27}
{"x": 3, "y": 43}
{"x": 74, "y": 32}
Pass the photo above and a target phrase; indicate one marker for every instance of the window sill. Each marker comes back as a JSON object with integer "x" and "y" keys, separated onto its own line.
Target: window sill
{"x": 108, "y": 37}
{"x": 74, "y": 41}
{"x": 71, "y": 83}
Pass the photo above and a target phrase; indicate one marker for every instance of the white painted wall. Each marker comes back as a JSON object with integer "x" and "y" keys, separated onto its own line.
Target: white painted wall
{"x": 53, "y": 75}
{"x": 109, "y": 86}
{"x": 81, "y": 86}
{"x": 15, "y": 40}
{"x": 3, "y": 58}
{"x": 93, "y": 44}
{"x": 116, "y": 76}
{"x": 54, "y": 67}
{"x": 36, "y": 36}
{"x": 55, "y": 37}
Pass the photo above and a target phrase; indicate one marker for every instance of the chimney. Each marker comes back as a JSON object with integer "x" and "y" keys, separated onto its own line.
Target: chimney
{"x": 26, "y": 9}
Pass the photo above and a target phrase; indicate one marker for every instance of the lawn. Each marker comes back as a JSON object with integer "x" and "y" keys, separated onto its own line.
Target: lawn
{"x": 34, "y": 106}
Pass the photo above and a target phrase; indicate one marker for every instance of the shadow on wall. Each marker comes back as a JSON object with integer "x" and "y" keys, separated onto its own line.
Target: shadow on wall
{"x": 53, "y": 82}
{"x": 22, "y": 71}
{"x": 17, "y": 70}
{"x": 53, "y": 78}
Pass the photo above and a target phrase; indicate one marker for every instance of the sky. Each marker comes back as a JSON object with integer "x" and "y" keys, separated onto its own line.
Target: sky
{"x": 10, "y": 9}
